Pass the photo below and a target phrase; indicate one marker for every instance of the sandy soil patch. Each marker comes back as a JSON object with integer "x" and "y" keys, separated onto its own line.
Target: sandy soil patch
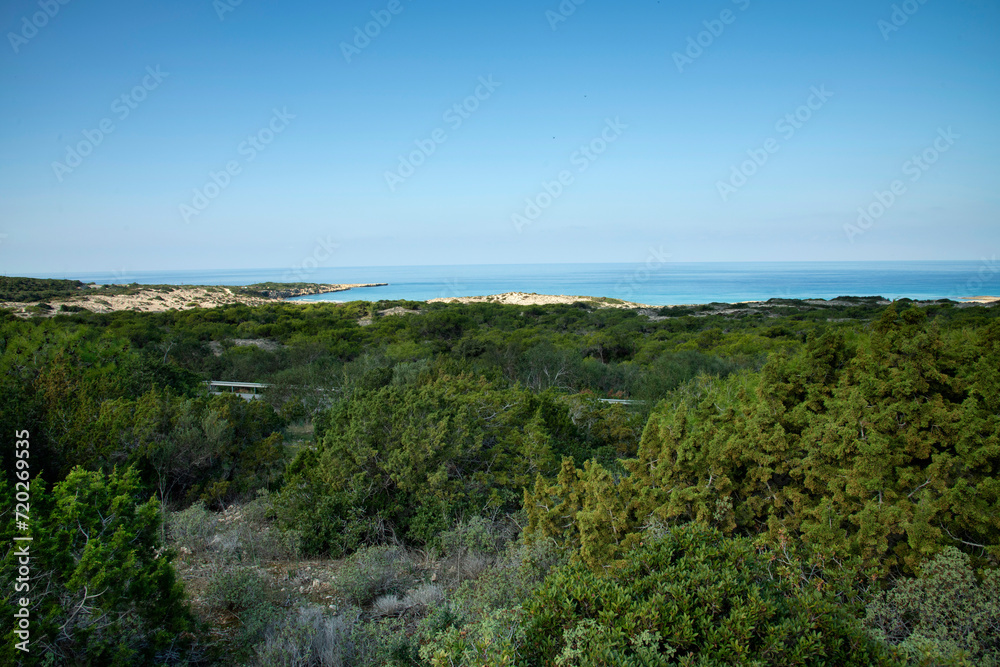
{"x": 533, "y": 299}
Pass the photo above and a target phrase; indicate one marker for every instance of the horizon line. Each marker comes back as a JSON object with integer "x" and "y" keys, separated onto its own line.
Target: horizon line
{"x": 50, "y": 275}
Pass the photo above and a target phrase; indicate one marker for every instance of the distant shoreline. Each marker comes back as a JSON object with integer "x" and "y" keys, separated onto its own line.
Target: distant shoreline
{"x": 161, "y": 298}
{"x": 533, "y": 299}
{"x": 660, "y": 285}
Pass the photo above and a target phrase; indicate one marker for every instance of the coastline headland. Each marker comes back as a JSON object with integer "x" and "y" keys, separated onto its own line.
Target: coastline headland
{"x": 38, "y": 297}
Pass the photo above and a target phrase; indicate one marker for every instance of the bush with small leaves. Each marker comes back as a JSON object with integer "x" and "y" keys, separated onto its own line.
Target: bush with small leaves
{"x": 483, "y": 622}
{"x": 424, "y": 596}
{"x": 103, "y": 590}
{"x": 388, "y": 605}
{"x": 946, "y": 616}
{"x": 328, "y": 521}
{"x": 493, "y": 641}
{"x": 472, "y": 545}
{"x": 373, "y": 572}
{"x": 242, "y": 592}
{"x": 260, "y": 536}
{"x": 488, "y": 536}
{"x": 386, "y": 641}
{"x": 309, "y": 637}
{"x": 692, "y": 596}
{"x": 192, "y": 528}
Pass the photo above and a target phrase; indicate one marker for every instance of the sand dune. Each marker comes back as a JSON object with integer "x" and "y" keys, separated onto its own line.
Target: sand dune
{"x": 533, "y": 299}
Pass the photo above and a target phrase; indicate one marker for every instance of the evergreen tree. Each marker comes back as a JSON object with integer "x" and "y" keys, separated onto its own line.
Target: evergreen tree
{"x": 102, "y": 588}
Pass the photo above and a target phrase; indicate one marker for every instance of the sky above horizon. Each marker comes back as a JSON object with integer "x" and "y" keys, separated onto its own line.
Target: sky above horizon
{"x": 217, "y": 134}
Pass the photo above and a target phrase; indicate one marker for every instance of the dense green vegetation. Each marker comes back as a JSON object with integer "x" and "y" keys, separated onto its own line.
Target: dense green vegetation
{"x": 690, "y": 596}
{"x": 783, "y": 485}
{"x": 277, "y": 290}
{"x": 25, "y": 290}
{"x": 37, "y": 289}
{"x": 885, "y": 448}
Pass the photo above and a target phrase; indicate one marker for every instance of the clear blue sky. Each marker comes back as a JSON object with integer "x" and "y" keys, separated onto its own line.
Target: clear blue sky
{"x": 682, "y": 125}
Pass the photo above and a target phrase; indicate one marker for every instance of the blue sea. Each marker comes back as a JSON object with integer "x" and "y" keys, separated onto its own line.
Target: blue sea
{"x": 654, "y": 283}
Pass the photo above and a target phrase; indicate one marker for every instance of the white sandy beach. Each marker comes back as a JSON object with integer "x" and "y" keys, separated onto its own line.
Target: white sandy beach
{"x": 533, "y": 299}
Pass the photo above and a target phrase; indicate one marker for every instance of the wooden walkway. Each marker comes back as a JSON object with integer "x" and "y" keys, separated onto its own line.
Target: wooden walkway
{"x": 248, "y": 391}
{"x": 251, "y": 390}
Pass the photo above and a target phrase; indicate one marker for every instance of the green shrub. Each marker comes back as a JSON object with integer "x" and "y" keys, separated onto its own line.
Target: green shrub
{"x": 236, "y": 589}
{"x": 294, "y": 410}
{"x": 404, "y": 461}
{"x": 192, "y": 528}
{"x": 329, "y": 521}
{"x": 695, "y": 596}
{"x": 483, "y": 624}
{"x": 242, "y": 592}
{"x": 946, "y": 616}
{"x": 35, "y": 289}
{"x": 103, "y": 590}
{"x": 473, "y": 544}
{"x": 492, "y": 641}
{"x": 261, "y": 538}
{"x": 411, "y": 372}
{"x": 372, "y": 572}
{"x": 240, "y": 534}
{"x": 387, "y": 642}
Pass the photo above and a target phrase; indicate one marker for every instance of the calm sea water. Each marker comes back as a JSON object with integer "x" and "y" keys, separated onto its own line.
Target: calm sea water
{"x": 656, "y": 284}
